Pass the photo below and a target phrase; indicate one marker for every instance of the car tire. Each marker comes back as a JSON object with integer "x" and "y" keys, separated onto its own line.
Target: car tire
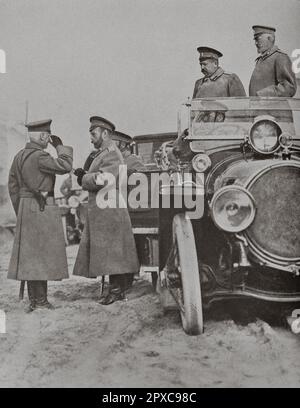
{"x": 191, "y": 312}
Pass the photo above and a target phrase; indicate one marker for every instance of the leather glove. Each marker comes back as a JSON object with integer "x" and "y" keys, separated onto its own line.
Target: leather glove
{"x": 79, "y": 173}
{"x": 185, "y": 132}
{"x": 55, "y": 141}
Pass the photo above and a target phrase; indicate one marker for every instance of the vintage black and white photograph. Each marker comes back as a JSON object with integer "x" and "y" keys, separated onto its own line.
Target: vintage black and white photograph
{"x": 149, "y": 194}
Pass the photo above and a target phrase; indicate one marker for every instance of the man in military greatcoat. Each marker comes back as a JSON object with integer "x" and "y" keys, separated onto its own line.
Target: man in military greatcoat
{"x": 216, "y": 82}
{"x": 107, "y": 245}
{"x": 38, "y": 253}
{"x": 273, "y": 74}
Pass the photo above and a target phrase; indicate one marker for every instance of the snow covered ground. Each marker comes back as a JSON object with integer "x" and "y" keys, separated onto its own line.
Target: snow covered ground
{"x": 133, "y": 343}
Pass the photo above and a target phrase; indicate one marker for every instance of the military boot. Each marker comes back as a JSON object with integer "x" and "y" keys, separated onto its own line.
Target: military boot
{"x": 128, "y": 280}
{"x": 114, "y": 295}
{"x": 116, "y": 290}
{"x": 31, "y": 296}
{"x": 104, "y": 291}
{"x": 41, "y": 295}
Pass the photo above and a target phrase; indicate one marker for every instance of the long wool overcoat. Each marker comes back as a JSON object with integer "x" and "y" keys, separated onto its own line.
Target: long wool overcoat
{"x": 273, "y": 75}
{"x": 107, "y": 244}
{"x": 39, "y": 247}
{"x": 219, "y": 84}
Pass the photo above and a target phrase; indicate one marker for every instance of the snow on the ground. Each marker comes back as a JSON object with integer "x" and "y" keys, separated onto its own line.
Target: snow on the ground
{"x": 134, "y": 343}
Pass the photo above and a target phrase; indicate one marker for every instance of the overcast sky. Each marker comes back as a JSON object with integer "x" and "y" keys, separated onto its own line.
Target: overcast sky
{"x": 131, "y": 61}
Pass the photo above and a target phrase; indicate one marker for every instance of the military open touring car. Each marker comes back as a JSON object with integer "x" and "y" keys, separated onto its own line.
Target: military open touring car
{"x": 242, "y": 156}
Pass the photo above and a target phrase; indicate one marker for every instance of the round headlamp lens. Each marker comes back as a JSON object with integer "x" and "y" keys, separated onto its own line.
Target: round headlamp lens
{"x": 201, "y": 162}
{"x": 233, "y": 209}
{"x": 264, "y": 136}
{"x": 286, "y": 140}
{"x": 73, "y": 201}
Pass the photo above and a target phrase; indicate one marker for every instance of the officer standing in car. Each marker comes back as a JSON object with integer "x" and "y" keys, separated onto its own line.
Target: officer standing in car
{"x": 273, "y": 74}
{"x": 216, "y": 82}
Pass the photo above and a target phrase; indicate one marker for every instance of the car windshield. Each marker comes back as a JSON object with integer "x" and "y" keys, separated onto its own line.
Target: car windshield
{"x": 232, "y": 118}
{"x": 146, "y": 150}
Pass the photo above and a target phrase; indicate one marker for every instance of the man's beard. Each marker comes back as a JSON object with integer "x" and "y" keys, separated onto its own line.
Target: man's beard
{"x": 97, "y": 145}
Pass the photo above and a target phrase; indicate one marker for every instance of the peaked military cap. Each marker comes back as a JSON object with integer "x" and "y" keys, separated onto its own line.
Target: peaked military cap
{"x": 258, "y": 29}
{"x": 208, "y": 52}
{"x": 122, "y": 137}
{"x": 39, "y": 126}
{"x": 97, "y": 121}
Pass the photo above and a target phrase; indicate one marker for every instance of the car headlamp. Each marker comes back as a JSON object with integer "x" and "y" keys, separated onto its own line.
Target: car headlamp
{"x": 232, "y": 208}
{"x": 201, "y": 162}
{"x": 73, "y": 201}
{"x": 286, "y": 140}
{"x": 264, "y": 135}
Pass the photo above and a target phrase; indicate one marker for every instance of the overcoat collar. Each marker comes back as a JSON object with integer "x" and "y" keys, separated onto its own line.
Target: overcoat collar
{"x": 32, "y": 145}
{"x": 213, "y": 77}
{"x": 106, "y": 145}
{"x": 267, "y": 53}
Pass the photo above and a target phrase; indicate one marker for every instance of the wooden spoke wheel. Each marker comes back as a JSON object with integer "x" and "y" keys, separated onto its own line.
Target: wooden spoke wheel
{"x": 183, "y": 262}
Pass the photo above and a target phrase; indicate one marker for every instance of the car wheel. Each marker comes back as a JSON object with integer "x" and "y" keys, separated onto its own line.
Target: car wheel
{"x": 186, "y": 263}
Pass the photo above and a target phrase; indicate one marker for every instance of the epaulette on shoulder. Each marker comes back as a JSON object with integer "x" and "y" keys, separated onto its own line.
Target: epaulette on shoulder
{"x": 111, "y": 148}
{"x": 43, "y": 153}
{"x": 228, "y": 73}
{"x": 281, "y": 52}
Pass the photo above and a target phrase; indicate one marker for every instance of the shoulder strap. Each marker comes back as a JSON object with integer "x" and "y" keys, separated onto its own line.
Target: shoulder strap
{"x": 280, "y": 51}
{"x": 99, "y": 152}
{"x": 89, "y": 160}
